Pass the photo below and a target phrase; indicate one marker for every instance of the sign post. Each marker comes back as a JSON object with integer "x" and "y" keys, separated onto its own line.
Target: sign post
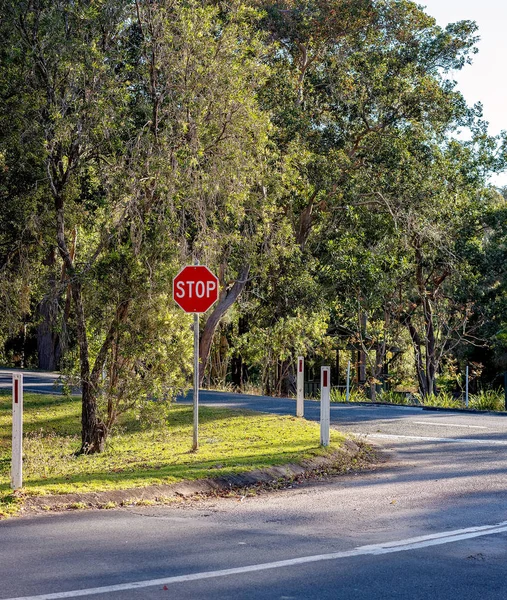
{"x": 325, "y": 404}
{"x": 17, "y": 431}
{"x": 195, "y": 442}
{"x": 347, "y": 392}
{"x": 195, "y": 289}
{"x": 300, "y": 398}
{"x": 466, "y": 387}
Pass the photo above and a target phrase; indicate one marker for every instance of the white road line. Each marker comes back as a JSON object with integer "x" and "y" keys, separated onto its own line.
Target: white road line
{"x": 416, "y": 543}
{"x": 386, "y": 436}
{"x": 449, "y": 424}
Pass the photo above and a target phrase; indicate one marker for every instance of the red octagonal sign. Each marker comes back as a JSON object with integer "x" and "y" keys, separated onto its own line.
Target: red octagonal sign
{"x": 195, "y": 289}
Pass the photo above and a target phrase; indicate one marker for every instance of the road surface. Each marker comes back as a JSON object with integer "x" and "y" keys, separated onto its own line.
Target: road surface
{"x": 40, "y": 382}
{"x": 431, "y": 524}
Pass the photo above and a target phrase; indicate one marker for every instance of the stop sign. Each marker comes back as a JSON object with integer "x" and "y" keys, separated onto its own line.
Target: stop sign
{"x": 195, "y": 289}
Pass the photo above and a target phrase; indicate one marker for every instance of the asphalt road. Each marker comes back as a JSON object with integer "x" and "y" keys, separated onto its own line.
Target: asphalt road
{"x": 33, "y": 381}
{"x": 430, "y": 524}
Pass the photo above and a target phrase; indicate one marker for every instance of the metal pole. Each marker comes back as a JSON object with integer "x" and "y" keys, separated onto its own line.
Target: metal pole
{"x": 505, "y": 387}
{"x": 195, "y": 445}
{"x": 300, "y": 398}
{"x": 17, "y": 431}
{"x": 325, "y": 406}
{"x": 347, "y": 393}
{"x": 466, "y": 387}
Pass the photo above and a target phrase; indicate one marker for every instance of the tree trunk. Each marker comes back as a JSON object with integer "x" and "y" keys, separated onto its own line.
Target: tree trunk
{"x": 419, "y": 365}
{"x": 226, "y": 300}
{"x": 431, "y": 366}
{"x": 239, "y": 371}
{"x": 48, "y": 342}
{"x": 363, "y": 323}
{"x": 93, "y": 431}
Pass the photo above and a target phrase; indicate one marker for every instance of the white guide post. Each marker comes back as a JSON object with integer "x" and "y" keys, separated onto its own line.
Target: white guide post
{"x": 300, "y": 398}
{"x": 466, "y": 388}
{"x": 17, "y": 431}
{"x": 325, "y": 404}
{"x": 347, "y": 393}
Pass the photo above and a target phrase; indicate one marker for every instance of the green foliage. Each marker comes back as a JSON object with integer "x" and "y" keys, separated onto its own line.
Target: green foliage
{"x": 307, "y": 148}
{"x": 488, "y": 400}
{"x": 443, "y": 400}
{"x": 355, "y": 395}
{"x": 393, "y": 397}
{"x": 273, "y": 350}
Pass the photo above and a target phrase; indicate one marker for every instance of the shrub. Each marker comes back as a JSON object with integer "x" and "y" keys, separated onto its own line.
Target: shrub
{"x": 340, "y": 395}
{"x": 393, "y": 397}
{"x": 443, "y": 399}
{"x": 488, "y": 400}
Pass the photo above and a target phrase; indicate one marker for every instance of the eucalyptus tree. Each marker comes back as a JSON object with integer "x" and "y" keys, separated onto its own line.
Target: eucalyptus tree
{"x": 345, "y": 75}
{"x": 208, "y": 126}
{"x": 69, "y": 106}
{"x": 146, "y": 131}
{"x": 490, "y": 291}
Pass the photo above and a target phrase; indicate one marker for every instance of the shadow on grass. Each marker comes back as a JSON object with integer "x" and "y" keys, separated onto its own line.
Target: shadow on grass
{"x": 182, "y": 416}
{"x": 135, "y": 465}
{"x": 163, "y": 473}
{"x": 39, "y": 416}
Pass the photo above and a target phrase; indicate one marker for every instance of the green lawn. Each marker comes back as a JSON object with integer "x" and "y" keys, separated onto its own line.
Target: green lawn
{"x": 231, "y": 441}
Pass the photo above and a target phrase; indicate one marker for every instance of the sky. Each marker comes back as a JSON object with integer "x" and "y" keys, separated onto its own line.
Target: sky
{"x": 483, "y": 81}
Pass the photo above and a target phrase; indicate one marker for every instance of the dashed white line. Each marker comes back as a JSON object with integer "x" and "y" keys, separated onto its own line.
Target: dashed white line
{"x": 375, "y": 550}
{"x": 449, "y": 425}
{"x": 387, "y": 436}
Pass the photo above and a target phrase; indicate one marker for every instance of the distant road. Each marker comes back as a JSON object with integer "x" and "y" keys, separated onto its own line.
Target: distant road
{"x": 41, "y": 382}
{"x": 383, "y": 423}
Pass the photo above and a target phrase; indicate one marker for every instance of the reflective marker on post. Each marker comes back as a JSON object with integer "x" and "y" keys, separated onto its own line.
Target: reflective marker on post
{"x": 300, "y": 398}
{"x": 17, "y": 431}
{"x": 325, "y": 404}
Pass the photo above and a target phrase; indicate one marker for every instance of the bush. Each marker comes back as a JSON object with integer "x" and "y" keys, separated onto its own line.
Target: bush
{"x": 339, "y": 395}
{"x": 488, "y": 400}
{"x": 443, "y": 399}
{"x": 393, "y": 397}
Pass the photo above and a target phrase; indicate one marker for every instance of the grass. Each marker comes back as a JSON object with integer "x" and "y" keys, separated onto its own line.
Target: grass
{"x": 488, "y": 400}
{"x": 231, "y": 441}
{"x": 355, "y": 395}
{"x": 492, "y": 400}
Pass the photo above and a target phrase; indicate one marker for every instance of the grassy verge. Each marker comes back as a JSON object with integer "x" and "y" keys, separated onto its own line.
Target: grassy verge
{"x": 231, "y": 441}
{"x": 490, "y": 400}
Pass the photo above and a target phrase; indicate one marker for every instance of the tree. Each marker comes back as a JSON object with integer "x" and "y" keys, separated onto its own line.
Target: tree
{"x": 345, "y": 75}
{"x": 145, "y": 125}
{"x": 215, "y": 137}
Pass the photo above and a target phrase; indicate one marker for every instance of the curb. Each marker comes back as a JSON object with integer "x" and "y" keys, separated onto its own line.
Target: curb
{"x": 474, "y": 411}
{"x": 186, "y": 489}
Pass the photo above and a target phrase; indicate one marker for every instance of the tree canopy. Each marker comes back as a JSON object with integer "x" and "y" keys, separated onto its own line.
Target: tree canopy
{"x": 308, "y": 152}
